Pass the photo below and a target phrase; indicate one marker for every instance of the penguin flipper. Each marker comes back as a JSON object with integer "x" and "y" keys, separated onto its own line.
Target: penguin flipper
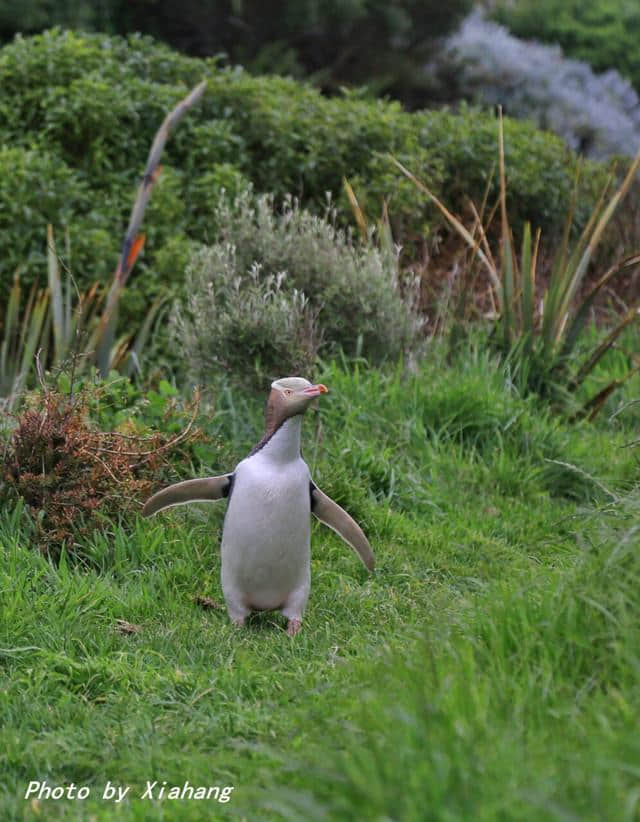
{"x": 206, "y": 489}
{"x": 331, "y": 514}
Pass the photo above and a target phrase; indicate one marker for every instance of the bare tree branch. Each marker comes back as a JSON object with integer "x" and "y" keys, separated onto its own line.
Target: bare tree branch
{"x": 133, "y": 242}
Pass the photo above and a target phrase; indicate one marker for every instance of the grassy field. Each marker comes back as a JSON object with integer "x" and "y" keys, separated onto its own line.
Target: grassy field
{"x": 490, "y": 669}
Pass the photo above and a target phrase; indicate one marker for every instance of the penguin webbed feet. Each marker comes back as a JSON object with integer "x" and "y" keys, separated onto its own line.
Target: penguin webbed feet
{"x": 293, "y": 626}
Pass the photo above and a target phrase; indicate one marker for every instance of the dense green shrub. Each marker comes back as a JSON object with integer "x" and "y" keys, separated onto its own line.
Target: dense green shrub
{"x": 36, "y": 188}
{"x": 83, "y": 109}
{"x": 541, "y": 171}
{"x": 603, "y": 33}
{"x": 279, "y": 285}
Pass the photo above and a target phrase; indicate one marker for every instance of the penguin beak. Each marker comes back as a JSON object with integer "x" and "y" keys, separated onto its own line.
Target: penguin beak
{"x": 315, "y": 390}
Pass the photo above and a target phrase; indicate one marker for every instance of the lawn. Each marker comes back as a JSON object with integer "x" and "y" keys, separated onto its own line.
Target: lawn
{"x": 489, "y": 669}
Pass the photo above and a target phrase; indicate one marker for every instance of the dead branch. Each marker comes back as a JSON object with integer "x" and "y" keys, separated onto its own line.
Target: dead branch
{"x": 132, "y": 241}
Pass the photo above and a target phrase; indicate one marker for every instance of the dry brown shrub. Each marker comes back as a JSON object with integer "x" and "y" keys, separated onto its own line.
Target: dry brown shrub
{"x": 74, "y": 477}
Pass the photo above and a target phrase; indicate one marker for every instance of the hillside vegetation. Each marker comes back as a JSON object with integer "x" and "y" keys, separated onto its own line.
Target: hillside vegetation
{"x": 488, "y": 669}
{"x": 603, "y": 33}
{"x": 71, "y": 155}
{"x": 359, "y": 41}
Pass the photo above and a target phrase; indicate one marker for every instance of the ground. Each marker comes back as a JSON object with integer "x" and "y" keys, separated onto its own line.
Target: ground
{"x": 487, "y": 670}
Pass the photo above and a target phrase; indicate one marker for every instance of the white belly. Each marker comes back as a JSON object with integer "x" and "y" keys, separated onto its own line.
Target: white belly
{"x": 266, "y": 535}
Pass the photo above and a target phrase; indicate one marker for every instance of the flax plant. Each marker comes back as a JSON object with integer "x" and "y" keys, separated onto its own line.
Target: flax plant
{"x": 539, "y": 330}
{"x": 21, "y": 337}
{"x": 59, "y": 323}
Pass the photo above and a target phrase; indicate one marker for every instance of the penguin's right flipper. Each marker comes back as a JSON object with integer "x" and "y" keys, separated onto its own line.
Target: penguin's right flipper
{"x": 331, "y": 514}
{"x": 207, "y": 489}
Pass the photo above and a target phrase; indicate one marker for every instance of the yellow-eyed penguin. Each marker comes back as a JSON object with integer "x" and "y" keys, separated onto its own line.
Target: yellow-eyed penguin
{"x": 267, "y": 529}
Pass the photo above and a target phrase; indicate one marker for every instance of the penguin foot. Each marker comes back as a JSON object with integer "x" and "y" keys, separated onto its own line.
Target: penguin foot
{"x": 293, "y": 626}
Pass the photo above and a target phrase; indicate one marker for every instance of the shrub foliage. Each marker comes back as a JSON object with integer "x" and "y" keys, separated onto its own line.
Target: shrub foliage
{"x": 74, "y": 476}
{"x": 337, "y": 42}
{"x": 603, "y": 33}
{"x": 280, "y": 285}
{"x": 79, "y": 113}
{"x": 597, "y": 114}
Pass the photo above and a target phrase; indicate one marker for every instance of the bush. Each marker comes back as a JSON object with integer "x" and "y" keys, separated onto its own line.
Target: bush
{"x": 77, "y": 461}
{"x": 236, "y": 320}
{"x": 598, "y": 115}
{"x": 603, "y": 33}
{"x": 356, "y": 41}
{"x": 277, "y": 285}
{"x": 82, "y": 111}
{"x": 37, "y": 188}
{"x": 541, "y": 169}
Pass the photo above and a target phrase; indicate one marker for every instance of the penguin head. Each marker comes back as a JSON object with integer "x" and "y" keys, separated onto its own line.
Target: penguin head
{"x": 290, "y": 396}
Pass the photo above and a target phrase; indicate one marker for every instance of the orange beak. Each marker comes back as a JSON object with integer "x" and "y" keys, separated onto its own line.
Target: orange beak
{"x": 316, "y": 390}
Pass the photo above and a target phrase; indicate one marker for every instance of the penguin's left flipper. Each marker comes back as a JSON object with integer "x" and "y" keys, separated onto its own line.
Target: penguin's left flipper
{"x": 331, "y": 514}
{"x": 207, "y": 489}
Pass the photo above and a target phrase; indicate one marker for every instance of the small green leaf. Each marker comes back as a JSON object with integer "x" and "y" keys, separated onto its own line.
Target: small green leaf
{"x": 166, "y": 389}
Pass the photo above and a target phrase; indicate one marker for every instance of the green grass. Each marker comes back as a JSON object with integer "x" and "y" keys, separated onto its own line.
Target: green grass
{"x": 490, "y": 669}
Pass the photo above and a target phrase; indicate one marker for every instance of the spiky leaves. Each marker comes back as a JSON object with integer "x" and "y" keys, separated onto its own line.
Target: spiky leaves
{"x": 539, "y": 343}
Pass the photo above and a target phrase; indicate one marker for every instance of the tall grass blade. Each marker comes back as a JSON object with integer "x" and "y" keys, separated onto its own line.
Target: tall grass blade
{"x": 582, "y": 314}
{"x": 7, "y": 352}
{"x": 574, "y": 281}
{"x": 385, "y": 235}
{"x": 56, "y": 297}
{"x": 564, "y": 269}
{"x": 21, "y": 341}
{"x": 135, "y": 352}
{"x": 508, "y": 269}
{"x": 631, "y": 315}
{"x": 508, "y": 315}
{"x": 455, "y": 222}
{"x": 528, "y": 286}
{"x": 358, "y": 213}
{"x": 568, "y": 224}
{"x": 483, "y": 231}
{"x": 593, "y": 406}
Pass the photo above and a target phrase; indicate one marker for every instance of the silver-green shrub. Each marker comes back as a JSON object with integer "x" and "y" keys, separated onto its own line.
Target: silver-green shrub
{"x": 233, "y": 320}
{"x": 596, "y": 114}
{"x": 281, "y": 285}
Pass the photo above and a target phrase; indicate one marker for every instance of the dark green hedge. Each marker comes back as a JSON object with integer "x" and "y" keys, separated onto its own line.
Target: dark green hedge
{"x": 78, "y": 113}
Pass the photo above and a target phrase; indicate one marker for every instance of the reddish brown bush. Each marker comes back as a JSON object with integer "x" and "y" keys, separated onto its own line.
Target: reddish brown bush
{"x": 73, "y": 476}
